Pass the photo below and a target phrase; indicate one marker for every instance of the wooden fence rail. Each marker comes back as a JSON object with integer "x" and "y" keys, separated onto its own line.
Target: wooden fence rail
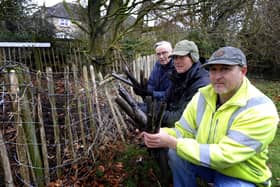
{"x": 40, "y": 58}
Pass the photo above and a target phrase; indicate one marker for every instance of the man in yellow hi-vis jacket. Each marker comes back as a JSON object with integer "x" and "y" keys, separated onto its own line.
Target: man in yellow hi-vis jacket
{"x": 224, "y": 132}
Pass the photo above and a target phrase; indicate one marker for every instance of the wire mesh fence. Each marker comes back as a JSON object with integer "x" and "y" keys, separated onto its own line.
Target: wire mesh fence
{"x": 52, "y": 119}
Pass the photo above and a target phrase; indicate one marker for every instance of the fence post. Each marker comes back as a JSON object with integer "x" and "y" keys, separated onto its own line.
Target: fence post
{"x": 79, "y": 104}
{"x": 2, "y": 56}
{"x": 37, "y": 58}
{"x": 67, "y": 112}
{"x": 95, "y": 95}
{"x": 42, "y": 131}
{"x": 21, "y": 150}
{"x": 90, "y": 106}
{"x": 54, "y": 118}
{"x": 5, "y": 163}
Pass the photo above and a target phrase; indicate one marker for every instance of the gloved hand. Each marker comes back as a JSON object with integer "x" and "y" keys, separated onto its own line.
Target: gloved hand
{"x": 142, "y": 92}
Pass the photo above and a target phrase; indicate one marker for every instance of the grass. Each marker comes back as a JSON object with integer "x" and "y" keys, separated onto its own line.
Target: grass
{"x": 140, "y": 167}
{"x": 272, "y": 90}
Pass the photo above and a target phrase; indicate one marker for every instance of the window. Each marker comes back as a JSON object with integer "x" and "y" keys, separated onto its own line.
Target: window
{"x": 63, "y": 35}
{"x": 60, "y": 35}
{"x": 64, "y": 22}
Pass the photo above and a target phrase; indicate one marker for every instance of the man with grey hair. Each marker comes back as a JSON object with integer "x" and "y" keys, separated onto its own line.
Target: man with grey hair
{"x": 158, "y": 80}
{"x": 225, "y": 130}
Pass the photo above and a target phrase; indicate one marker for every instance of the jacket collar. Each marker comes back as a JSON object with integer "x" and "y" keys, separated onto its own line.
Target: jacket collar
{"x": 240, "y": 98}
{"x": 166, "y": 66}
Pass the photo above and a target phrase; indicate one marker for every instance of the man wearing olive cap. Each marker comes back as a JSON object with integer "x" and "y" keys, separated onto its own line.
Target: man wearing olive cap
{"x": 186, "y": 78}
{"x": 224, "y": 132}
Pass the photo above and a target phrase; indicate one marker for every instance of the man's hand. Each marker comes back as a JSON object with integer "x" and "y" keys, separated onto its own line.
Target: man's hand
{"x": 142, "y": 92}
{"x": 159, "y": 140}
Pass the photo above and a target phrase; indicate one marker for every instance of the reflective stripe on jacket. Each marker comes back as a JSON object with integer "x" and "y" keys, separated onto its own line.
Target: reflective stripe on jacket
{"x": 232, "y": 139}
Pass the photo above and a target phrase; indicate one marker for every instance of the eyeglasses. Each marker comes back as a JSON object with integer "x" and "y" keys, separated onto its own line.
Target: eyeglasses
{"x": 162, "y": 53}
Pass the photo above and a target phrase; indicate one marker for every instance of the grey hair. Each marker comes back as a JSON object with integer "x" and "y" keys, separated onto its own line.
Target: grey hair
{"x": 165, "y": 43}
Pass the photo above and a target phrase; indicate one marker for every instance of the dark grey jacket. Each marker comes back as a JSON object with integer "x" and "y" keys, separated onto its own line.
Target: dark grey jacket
{"x": 180, "y": 92}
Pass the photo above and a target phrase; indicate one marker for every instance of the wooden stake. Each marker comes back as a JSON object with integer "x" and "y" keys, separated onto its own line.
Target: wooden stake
{"x": 54, "y": 118}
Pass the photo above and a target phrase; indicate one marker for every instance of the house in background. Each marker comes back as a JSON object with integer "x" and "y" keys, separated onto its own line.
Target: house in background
{"x": 61, "y": 19}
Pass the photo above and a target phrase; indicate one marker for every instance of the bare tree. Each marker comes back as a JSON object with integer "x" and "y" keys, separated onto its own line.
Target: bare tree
{"x": 210, "y": 23}
{"x": 108, "y": 22}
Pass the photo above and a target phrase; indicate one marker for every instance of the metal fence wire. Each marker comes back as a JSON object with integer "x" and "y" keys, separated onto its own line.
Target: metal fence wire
{"x": 53, "y": 120}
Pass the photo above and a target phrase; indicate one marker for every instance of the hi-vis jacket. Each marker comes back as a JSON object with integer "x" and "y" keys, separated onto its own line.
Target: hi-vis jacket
{"x": 232, "y": 139}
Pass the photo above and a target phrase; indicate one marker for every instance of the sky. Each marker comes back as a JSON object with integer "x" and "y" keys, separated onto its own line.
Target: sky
{"x": 49, "y": 2}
